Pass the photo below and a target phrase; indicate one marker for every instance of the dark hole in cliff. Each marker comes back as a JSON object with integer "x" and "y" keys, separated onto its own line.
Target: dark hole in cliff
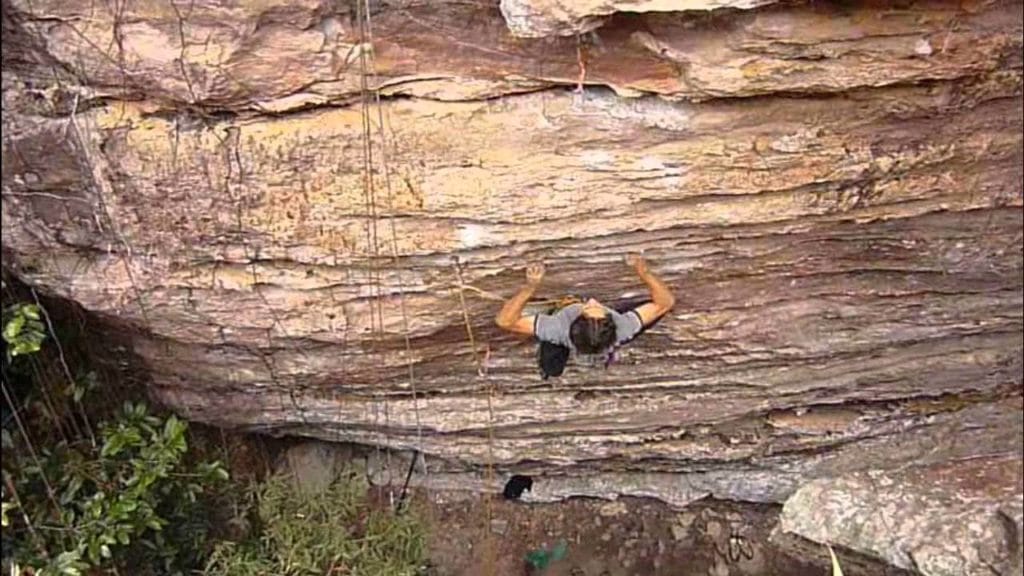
{"x": 516, "y": 485}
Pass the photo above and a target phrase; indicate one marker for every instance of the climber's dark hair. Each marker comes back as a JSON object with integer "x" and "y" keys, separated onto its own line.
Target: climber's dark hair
{"x": 592, "y": 335}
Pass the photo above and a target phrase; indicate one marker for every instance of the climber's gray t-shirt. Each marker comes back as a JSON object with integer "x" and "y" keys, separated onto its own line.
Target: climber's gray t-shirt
{"x": 555, "y": 327}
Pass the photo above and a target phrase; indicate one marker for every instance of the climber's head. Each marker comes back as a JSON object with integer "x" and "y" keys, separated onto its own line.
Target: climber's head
{"x": 593, "y": 332}
{"x": 594, "y": 309}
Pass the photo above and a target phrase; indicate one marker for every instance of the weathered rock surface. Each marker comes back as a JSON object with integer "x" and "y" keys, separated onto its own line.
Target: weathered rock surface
{"x": 301, "y": 54}
{"x": 833, "y": 191}
{"x": 943, "y": 519}
{"x": 538, "y": 18}
{"x": 313, "y": 466}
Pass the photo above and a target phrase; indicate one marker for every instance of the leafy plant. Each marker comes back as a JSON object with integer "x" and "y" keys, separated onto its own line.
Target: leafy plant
{"x": 126, "y": 497}
{"x": 333, "y": 532}
{"x": 82, "y": 386}
{"x": 24, "y": 331}
{"x": 116, "y": 504}
{"x": 7, "y": 506}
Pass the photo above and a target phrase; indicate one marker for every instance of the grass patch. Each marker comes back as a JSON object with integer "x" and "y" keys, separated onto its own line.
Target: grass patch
{"x": 336, "y": 531}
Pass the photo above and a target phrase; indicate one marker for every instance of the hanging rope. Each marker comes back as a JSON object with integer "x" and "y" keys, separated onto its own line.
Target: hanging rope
{"x": 372, "y": 233}
{"x": 394, "y": 254}
{"x": 125, "y": 255}
{"x": 64, "y": 365}
{"x": 481, "y": 370}
{"x": 15, "y": 409}
{"x": 13, "y": 490}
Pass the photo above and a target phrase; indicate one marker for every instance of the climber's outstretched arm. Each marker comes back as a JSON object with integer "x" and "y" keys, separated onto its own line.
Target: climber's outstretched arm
{"x": 662, "y": 299}
{"x": 511, "y": 316}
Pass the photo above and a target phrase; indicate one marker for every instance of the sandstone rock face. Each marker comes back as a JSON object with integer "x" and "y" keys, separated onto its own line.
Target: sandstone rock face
{"x": 833, "y": 191}
{"x": 539, "y": 18}
{"x": 942, "y": 519}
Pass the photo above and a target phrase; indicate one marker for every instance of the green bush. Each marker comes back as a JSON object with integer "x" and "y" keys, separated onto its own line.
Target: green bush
{"x": 333, "y": 532}
{"x": 23, "y": 330}
{"x": 132, "y": 502}
{"x": 130, "y": 499}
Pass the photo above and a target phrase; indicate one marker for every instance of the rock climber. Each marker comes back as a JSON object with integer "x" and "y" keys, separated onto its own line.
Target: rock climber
{"x": 587, "y": 328}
